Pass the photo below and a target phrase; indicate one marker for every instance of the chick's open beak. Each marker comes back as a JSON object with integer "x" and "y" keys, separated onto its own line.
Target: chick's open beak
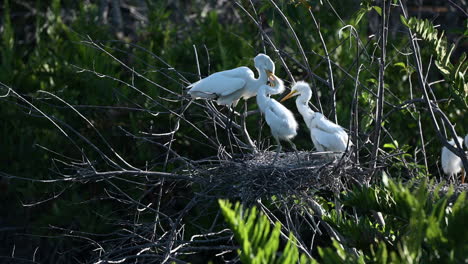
{"x": 271, "y": 75}
{"x": 289, "y": 95}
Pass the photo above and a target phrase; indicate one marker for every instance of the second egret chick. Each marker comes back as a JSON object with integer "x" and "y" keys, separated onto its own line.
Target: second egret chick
{"x": 326, "y": 135}
{"x": 451, "y": 163}
{"x": 281, "y": 121}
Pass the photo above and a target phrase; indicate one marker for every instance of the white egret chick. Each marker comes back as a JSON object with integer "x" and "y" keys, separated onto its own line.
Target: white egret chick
{"x": 451, "y": 163}
{"x": 227, "y": 87}
{"x": 281, "y": 121}
{"x": 326, "y": 135}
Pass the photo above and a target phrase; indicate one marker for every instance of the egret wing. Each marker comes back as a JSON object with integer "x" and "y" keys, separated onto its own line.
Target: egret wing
{"x": 330, "y": 141}
{"x": 322, "y": 123}
{"x": 451, "y": 163}
{"x": 221, "y": 83}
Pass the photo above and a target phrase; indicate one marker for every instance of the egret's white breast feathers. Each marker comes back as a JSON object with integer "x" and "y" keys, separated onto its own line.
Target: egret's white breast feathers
{"x": 281, "y": 121}
{"x": 451, "y": 163}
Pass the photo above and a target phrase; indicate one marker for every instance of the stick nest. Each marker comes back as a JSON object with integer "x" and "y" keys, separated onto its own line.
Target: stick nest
{"x": 253, "y": 176}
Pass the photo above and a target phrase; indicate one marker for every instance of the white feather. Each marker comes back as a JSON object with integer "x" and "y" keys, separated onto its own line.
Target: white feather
{"x": 281, "y": 121}
{"x": 451, "y": 163}
{"x": 227, "y": 87}
{"x": 326, "y": 135}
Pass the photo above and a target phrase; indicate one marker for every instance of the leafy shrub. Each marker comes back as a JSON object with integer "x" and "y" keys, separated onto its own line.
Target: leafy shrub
{"x": 392, "y": 223}
{"x": 259, "y": 244}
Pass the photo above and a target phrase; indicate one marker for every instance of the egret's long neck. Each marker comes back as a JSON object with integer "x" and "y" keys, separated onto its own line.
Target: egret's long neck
{"x": 262, "y": 98}
{"x": 262, "y": 76}
{"x": 303, "y": 107}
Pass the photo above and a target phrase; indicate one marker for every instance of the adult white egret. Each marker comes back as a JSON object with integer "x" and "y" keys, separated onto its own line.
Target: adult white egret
{"x": 326, "y": 135}
{"x": 466, "y": 141}
{"x": 451, "y": 163}
{"x": 227, "y": 87}
{"x": 281, "y": 121}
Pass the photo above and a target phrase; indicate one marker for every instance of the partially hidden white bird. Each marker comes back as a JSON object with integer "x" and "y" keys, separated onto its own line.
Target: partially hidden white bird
{"x": 466, "y": 141}
{"x": 451, "y": 163}
{"x": 326, "y": 135}
{"x": 281, "y": 120}
{"x": 227, "y": 87}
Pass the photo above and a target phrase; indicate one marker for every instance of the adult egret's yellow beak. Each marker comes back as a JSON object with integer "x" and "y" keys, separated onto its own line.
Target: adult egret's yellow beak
{"x": 289, "y": 95}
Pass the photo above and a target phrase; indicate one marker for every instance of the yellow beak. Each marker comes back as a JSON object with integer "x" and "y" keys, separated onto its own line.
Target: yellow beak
{"x": 289, "y": 95}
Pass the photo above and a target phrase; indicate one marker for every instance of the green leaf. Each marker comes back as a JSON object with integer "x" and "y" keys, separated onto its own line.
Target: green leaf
{"x": 389, "y": 145}
{"x": 378, "y": 10}
{"x": 400, "y": 64}
{"x": 404, "y": 21}
{"x": 359, "y": 15}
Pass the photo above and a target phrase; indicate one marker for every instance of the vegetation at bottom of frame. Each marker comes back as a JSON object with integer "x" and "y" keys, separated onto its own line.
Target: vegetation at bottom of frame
{"x": 387, "y": 223}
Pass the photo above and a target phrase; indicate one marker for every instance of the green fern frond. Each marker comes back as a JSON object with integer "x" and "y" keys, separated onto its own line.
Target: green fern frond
{"x": 418, "y": 226}
{"x": 259, "y": 244}
{"x": 454, "y": 74}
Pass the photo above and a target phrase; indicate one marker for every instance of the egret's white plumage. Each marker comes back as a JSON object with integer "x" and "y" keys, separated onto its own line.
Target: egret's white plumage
{"x": 466, "y": 141}
{"x": 451, "y": 163}
{"x": 227, "y": 87}
{"x": 281, "y": 121}
{"x": 326, "y": 135}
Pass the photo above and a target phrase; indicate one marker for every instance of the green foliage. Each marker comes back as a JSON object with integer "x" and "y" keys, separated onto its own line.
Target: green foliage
{"x": 7, "y": 45}
{"x": 403, "y": 162}
{"x": 391, "y": 223}
{"x": 337, "y": 254}
{"x": 258, "y": 243}
{"x": 438, "y": 43}
{"x": 401, "y": 224}
{"x": 366, "y": 7}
